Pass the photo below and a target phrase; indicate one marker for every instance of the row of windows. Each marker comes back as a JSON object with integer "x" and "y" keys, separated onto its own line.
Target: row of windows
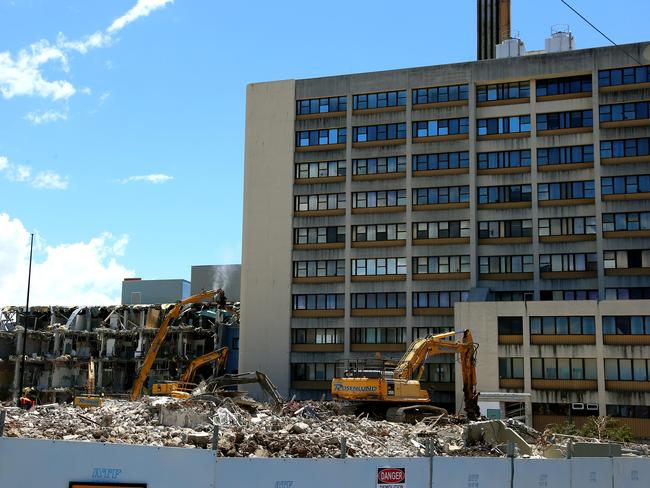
{"x": 624, "y": 111}
{"x": 313, "y": 371}
{"x": 624, "y": 76}
{"x": 563, "y": 368}
{"x": 441, "y": 230}
{"x": 319, "y": 235}
{"x": 379, "y": 100}
{"x": 568, "y": 262}
{"x": 319, "y": 268}
{"x": 427, "y": 162}
{"x": 628, "y": 293}
{"x": 444, "y": 127}
{"x": 576, "y": 325}
{"x": 506, "y": 264}
{"x": 327, "y": 201}
{"x": 373, "y": 166}
{"x": 322, "y": 137}
{"x": 441, "y": 264}
{"x": 503, "y": 91}
{"x": 322, "y": 105}
{"x": 629, "y": 411}
{"x": 626, "y": 325}
{"x": 503, "y": 125}
{"x": 568, "y": 190}
{"x": 565, "y": 120}
{"x": 502, "y": 194}
{"x": 558, "y": 325}
{"x": 493, "y": 229}
{"x": 487, "y": 160}
{"x": 626, "y": 369}
{"x": 319, "y": 301}
{"x": 625, "y": 184}
{"x": 564, "y": 226}
{"x": 440, "y": 94}
{"x": 440, "y": 195}
{"x": 626, "y": 259}
{"x": 362, "y": 301}
{"x": 378, "y": 232}
{"x": 562, "y": 86}
{"x": 377, "y": 335}
{"x": 377, "y": 199}
{"x": 383, "y": 132}
{"x": 317, "y": 336}
{"x": 438, "y": 299}
{"x": 378, "y": 266}
{"x": 626, "y": 221}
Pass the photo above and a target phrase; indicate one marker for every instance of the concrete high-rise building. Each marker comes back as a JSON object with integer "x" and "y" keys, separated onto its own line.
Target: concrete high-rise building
{"x": 375, "y": 202}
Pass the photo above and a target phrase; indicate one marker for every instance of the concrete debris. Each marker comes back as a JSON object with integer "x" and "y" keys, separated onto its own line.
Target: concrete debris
{"x": 302, "y": 429}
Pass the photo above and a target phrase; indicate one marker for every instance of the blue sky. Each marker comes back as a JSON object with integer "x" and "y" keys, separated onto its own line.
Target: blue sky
{"x": 124, "y": 151}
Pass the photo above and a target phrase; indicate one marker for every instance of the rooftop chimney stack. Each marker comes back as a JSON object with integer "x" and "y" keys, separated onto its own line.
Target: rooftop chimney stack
{"x": 493, "y": 26}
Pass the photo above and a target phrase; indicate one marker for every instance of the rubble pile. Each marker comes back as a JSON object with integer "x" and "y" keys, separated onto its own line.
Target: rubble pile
{"x": 298, "y": 429}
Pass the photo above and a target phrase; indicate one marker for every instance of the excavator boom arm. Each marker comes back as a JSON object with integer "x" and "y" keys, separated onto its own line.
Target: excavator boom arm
{"x": 160, "y": 337}
{"x": 220, "y": 356}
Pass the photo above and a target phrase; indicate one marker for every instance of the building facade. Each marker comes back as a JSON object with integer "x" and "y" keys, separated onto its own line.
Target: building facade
{"x": 136, "y": 291}
{"x": 375, "y": 202}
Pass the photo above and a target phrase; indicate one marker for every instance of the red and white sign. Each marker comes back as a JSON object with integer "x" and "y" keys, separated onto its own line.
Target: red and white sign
{"x": 391, "y": 477}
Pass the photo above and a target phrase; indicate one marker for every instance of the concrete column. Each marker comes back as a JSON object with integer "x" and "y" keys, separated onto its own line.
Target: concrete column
{"x": 473, "y": 189}
{"x": 20, "y": 335}
{"x": 597, "y": 195}
{"x": 533, "y": 188}
{"x": 600, "y": 354}
{"x": 408, "y": 320}
{"x": 180, "y": 350}
{"x": 99, "y": 377}
{"x": 347, "y": 254}
{"x": 57, "y": 344}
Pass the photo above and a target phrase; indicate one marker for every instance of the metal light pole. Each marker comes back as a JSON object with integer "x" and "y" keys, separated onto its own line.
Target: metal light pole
{"x": 22, "y": 355}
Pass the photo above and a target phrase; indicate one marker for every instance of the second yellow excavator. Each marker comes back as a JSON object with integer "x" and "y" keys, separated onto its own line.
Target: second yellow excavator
{"x": 183, "y": 387}
{"x": 398, "y": 393}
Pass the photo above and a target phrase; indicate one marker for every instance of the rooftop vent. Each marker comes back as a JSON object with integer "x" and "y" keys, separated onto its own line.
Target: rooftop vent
{"x": 511, "y": 48}
{"x": 561, "y": 40}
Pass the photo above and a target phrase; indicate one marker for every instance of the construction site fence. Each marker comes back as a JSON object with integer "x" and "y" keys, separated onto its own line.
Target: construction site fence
{"x": 67, "y": 464}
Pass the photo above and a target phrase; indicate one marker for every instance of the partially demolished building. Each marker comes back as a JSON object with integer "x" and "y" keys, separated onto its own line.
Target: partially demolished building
{"x": 61, "y": 342}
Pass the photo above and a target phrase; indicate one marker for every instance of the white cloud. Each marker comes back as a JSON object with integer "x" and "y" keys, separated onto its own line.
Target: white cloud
{"x": 22, "y": 75}
{"x": 141, "y": 9}
{"x": 153, "y": 178}
{"x": 80, "y": 273}
{"x": 49, "y": 180}
{"x": 37, "y": 118}
{"x": 103, "y": 97}
{"x": 22, "y": 173}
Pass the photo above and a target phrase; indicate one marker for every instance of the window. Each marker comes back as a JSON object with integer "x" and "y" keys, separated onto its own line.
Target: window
{"x": 620, "y": 185}
{"x": 504, "y": 159}
{"x": 423, "y": 332}
{"x": 440, "y": 94}
{"x": 319, "y": 268}
{"x": 503, "y": 125}
{"x": 441, "y": 230}
{"x": 438, "y": 299}
{"x": 438, "y": 372}
{"x": 319, "y": 301}
{"x": 567, "y": 226}
{"x": 379, "y": 100}
{"x": 626, "y": 325}
{"x": 319, "y": 235}
{"x": 504, "y": 194}
{"x": 626, "y": 221}
{"x": 440, "y": 264}
{"x": 617, "y": 112}
{"x": 505, "y": 228}
{"x": 568, "y": 295}
{"x": 511, "y": 368}
{"x": 310, "y": 203}
{"x": 563, "y": 368}
{"x": 432, "y": 162}
{"x": 632, "y": 293}
{"x": 317, "y": 336}
{"x": 625, "y": 148}
{"x": 561, "y": 325}
{"x": 441, "y": 195}
{"x": 313, "y": 371}
{"x": 567, "y": 262}
{"x": 564, "y": 120}
{"x": 512, "y": 296}
{"x": 378, "y": 232}
{"x": 377, "y": 335}
{"x": 624, "y": 76}
{"x": 373, "y": 166}
{"x": 361, "y": 301}
{"x": 378, "y": 266}
{"x": 321, "y": 105}
{"x": 505, "y": 264}
{"x": 503, "y": 91}
{"x": 629, "y": 411}
{"x": 323, "y": 137}
{"x": 562, "y": 86}
{"x": 565, "y": 155}
{"x": 376, "y": 199}
{"x": 444, "y": 127}
{"x": 566, "y": 190}
{"x": 323, "y": 169}
{"x": 626, "y": 259}
{"x": 626, "y": 369}
{"x": 510, "y": 325}
{"x": 382, "y": 132}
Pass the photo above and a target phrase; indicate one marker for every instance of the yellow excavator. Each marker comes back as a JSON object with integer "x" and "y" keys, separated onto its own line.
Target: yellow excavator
{"x": 183, "y": 387}
{"x": 398, "y": 394}
{"x": 173, "y": 314}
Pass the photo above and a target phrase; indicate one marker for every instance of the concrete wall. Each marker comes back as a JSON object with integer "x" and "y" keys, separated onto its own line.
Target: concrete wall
{"x": 266, "y": 251}
{"x": 155, "y": 291}
{"x": 224, "y": 276}
{"x": 62, "y": 462}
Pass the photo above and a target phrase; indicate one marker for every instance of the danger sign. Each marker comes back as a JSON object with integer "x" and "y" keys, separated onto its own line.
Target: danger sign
{"x": 391, "y": 477}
